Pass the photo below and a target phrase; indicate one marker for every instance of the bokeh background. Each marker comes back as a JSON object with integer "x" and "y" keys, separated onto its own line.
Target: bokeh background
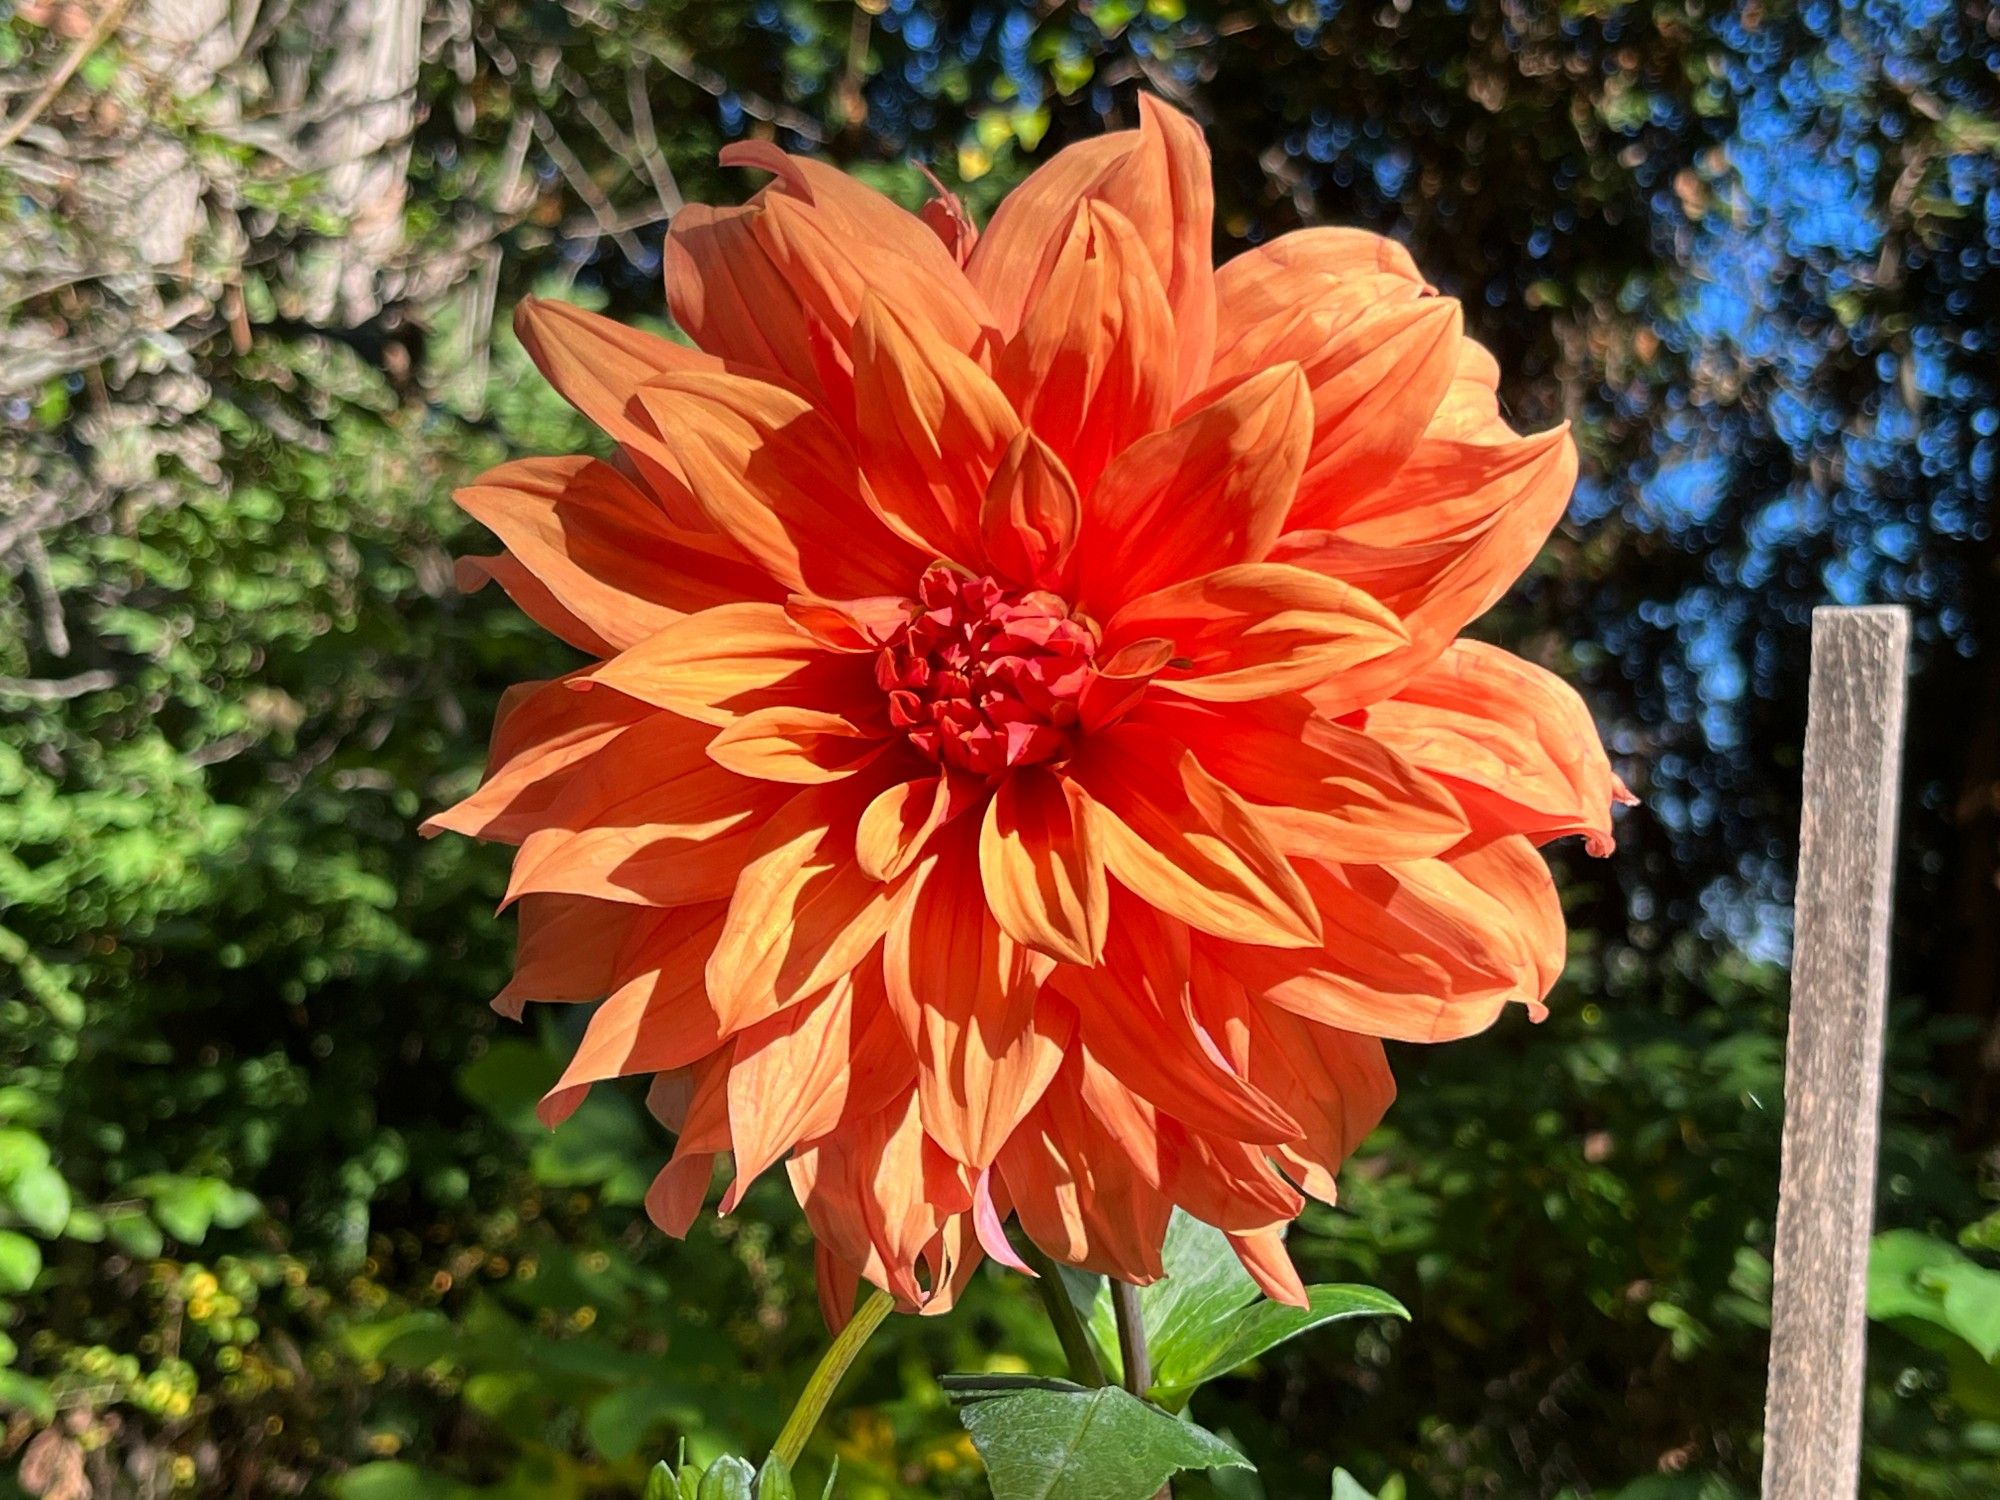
{"x": 274, "y": 1217}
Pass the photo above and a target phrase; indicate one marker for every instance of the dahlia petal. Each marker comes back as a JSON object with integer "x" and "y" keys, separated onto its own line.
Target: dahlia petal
{"x": 1337, "y": 1083}
{"x": 879, "y": 1193}
{"x": 1508, "y": 884}
{"x": 1209, "y": 491}
{"x": 1296, "y": 314}
{"x": 1181, "y": 841}
{"x": 1226, "y": 1183}
{"x": 1137, "y": 1019}
{"x": 803, "y": 913}
{"x": 726, "y": 662}
{"x": 724, "y": 290}
{"x": 1264, "y": 1256}
{"x": 800, "y": 1073}
{"x": 677, "y": 1193}
{"x": 1514, "y": 744}
{"x": 1398, "y": 961}
{"x": 1075, "y": 1191}
{"x": 1273, "y": 279}
{"x": 1030, "y": 515}
{"x": 774, "y": 476}
{"x": 1375, "y": 387}
{"x": 1326, "y": 791}
{"x": 1157, "y": 178}
{"x": 531, "y": 596}
{"x": 1259, "y": 629}
{"x": 967, "y": 995}
{"x": 602, "y": 547}
{"x": 1087, "y": 369}
{"x": 598, "y": 364}
{"x": 650, "y": 819}
{"x": 1166, "y": 190}
{"x": 543, "y": 730}
{"x": 837, "y": 1281}
{"x": 936, "y": 430}
{"x": 655, "y": 1022}
{"x": 1440, "y": 581}
{"x": 896, "y": 827}
{"x": 799, "y": 745}
{"x": 565, "y": 949}
{"x": 1026, "y": 232}
{"x": 1042, "y": 869}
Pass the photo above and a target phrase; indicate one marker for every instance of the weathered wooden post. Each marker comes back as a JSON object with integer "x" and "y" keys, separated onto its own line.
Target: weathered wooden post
{"x": 1833, "y": 1064}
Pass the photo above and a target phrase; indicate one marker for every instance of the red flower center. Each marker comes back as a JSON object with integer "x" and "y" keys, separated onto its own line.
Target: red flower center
{"x": 982, "y": 678}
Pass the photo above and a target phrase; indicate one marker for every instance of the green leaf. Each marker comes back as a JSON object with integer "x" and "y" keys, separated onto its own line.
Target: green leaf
{"x": 831, "y": 1475}
{"x": 774, "y": 1480}
{"x": 1347, "y": 1487}
{"x": 25, "y": 1393}
{"x": 1050, "y": 1440}
{"x": 41, "y": 1198}
{"x": 661, "y": 1483}
{"x": 20, "y": 1262}
{"x": 728, "y": 1478}
{"x": 136, "y": 1235}
{"x": 1206, "y": 1317}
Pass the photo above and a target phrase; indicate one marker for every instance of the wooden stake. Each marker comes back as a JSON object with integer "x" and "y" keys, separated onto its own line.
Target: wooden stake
{"x": 1833, "y": 1061}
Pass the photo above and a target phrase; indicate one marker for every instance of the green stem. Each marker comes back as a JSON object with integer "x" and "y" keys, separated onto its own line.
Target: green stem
{"x": 832, "y": 1366}
{"x": 1132, "y": 1349}
{"x": 1077, "y": 1345}
{"x": 1131, "y": 1337}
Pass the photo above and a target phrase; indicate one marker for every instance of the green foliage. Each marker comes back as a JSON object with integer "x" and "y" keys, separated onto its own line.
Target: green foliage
{"x": 1208, "y": 1317}
{"x": 1052, "y": 1440}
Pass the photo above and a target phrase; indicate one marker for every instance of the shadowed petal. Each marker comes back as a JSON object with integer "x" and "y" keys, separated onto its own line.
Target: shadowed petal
{"x": 1183, "y": 842}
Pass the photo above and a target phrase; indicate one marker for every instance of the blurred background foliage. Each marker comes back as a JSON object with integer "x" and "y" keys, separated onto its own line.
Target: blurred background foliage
{"x": 273, "y": 1212}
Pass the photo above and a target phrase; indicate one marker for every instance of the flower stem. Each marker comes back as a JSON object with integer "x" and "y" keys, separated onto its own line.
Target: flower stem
{"x": 1077, "y": 1345}
{"x": 832, "y": 1366}
{"x": 1132, "y": 1349}
{"x": 1131, "y": 1337}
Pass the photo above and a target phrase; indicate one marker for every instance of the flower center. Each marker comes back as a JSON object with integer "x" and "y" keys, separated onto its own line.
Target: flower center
{"x": 982, "y": 679}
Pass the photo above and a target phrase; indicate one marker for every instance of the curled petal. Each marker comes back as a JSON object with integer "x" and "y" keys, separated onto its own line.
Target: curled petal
{"x": 1400, "y": 960}
{"x": 1076, "y": 1191}
{"x": 896, "y": 827}
{"x": 652, "y": 821}
{"x": 987, "y": 1043}
{"x": 882, "y": 1195}
{"x": 1325, "y": 790}
{"x": 1513, "y": 742}
{"x": 1030, "y": 515}
{"x": 1454, "y": 529}
{"x": 1262, "y": 628}
{"x": 543, "y": 732}
{"x": 1087, "y": 369}
{"x": 1042, "y": 869}
{"x": 801, "y": 745}
{"x": 803, "y": 913}
{"x": 724, "y": 663}
{"x": 1210, "y": 491}
{"x": 774, "y": 476}
{"x": 937, "y": 428}
{"x": 1157, "y": 179}
{"x": 1184, "y": 843}
{"x": 566, "y": 948}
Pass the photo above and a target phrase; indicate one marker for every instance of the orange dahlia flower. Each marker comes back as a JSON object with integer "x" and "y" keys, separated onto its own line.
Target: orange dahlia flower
{"x": 1027, "y": 764}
